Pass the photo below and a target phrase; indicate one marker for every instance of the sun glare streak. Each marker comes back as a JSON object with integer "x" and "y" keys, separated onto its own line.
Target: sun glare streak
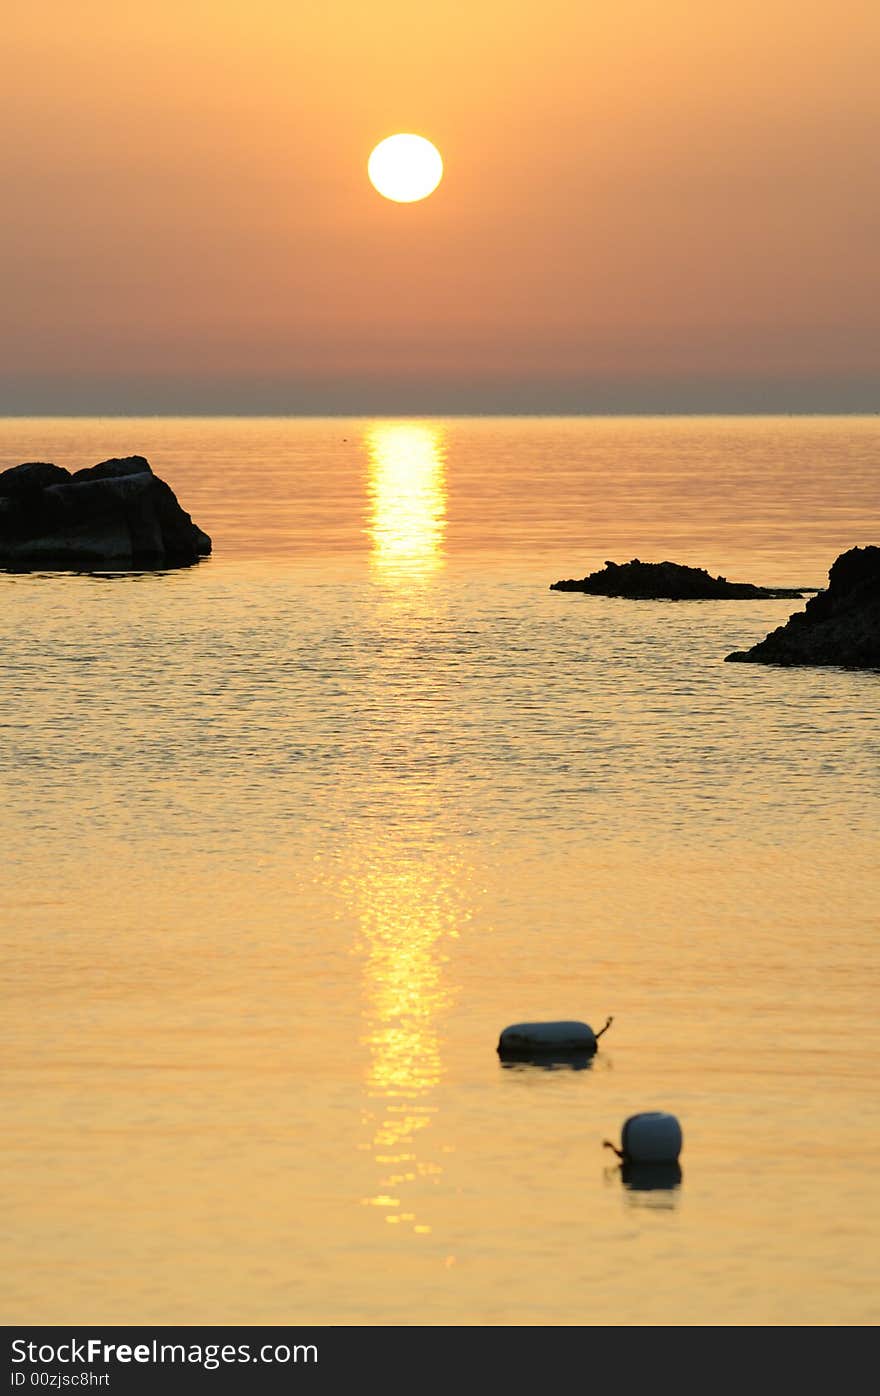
{"x": 407, "y": 493}
{"x": 408, "y": 907}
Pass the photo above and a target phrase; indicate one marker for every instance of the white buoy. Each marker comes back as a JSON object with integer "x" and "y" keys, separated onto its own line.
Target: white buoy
{"x": 651, "y": 1137}
{"x": 536, "y": 1039}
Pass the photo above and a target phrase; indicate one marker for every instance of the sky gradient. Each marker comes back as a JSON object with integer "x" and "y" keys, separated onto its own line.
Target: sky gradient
{"x": 646, "y": 206}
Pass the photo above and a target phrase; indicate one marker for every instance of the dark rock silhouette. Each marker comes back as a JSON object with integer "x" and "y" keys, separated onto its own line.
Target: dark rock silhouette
{"x": 668, "y": 581}
{"x": 839, "y": 626}
{"x": 116, "y": 513}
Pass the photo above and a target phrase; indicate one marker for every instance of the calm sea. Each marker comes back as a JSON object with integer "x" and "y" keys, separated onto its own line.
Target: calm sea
{"x": 289, "y": 836}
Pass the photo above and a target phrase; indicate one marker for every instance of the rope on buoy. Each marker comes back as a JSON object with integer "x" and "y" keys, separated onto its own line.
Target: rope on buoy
{"x": 606, "y": 1143}
{"x": 606, "y": 1027}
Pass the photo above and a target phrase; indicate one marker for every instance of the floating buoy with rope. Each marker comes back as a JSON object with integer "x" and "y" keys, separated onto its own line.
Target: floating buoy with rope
{"x": 654, "y": 1136}
{"x": 527, "y": 1040}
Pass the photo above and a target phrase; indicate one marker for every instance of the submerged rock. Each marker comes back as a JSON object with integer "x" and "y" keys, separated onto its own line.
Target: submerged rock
{"x": 839, "y": 626}
{"x": 669, "y": 581}
{"x": 117, "y": 512}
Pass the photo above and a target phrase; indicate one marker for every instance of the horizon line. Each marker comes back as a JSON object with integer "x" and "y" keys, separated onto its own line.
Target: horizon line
{"x": 446, "y": 415}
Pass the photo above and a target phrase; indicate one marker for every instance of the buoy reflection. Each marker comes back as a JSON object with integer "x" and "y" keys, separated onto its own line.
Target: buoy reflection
{"x": 652, "y": 1185}
{"x": 549, "y": 1061}
{"x": 407, "y": 494}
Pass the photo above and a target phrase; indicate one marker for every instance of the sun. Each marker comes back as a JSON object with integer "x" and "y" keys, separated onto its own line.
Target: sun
{"x": 405, "y": 168}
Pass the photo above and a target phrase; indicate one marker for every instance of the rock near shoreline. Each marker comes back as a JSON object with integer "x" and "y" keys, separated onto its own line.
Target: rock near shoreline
{"x": 117, "y": 513}
{"x": 840, "y": 626}
{"x": 669, "y": 581}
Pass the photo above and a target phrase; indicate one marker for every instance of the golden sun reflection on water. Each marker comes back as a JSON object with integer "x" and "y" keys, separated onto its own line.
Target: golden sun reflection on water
{"x": 409, "y": 907}
{"x": 406, "y": 486}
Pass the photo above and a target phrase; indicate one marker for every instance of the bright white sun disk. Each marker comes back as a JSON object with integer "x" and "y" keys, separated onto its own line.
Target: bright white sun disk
{"x": 405, "y": 168}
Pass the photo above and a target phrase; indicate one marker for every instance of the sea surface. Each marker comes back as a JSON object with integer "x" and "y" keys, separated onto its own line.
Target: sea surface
{"x": 289, "y": 836}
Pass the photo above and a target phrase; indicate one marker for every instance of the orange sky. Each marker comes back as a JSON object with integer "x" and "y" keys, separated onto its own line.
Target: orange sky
{"x": 648, "y": 204}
